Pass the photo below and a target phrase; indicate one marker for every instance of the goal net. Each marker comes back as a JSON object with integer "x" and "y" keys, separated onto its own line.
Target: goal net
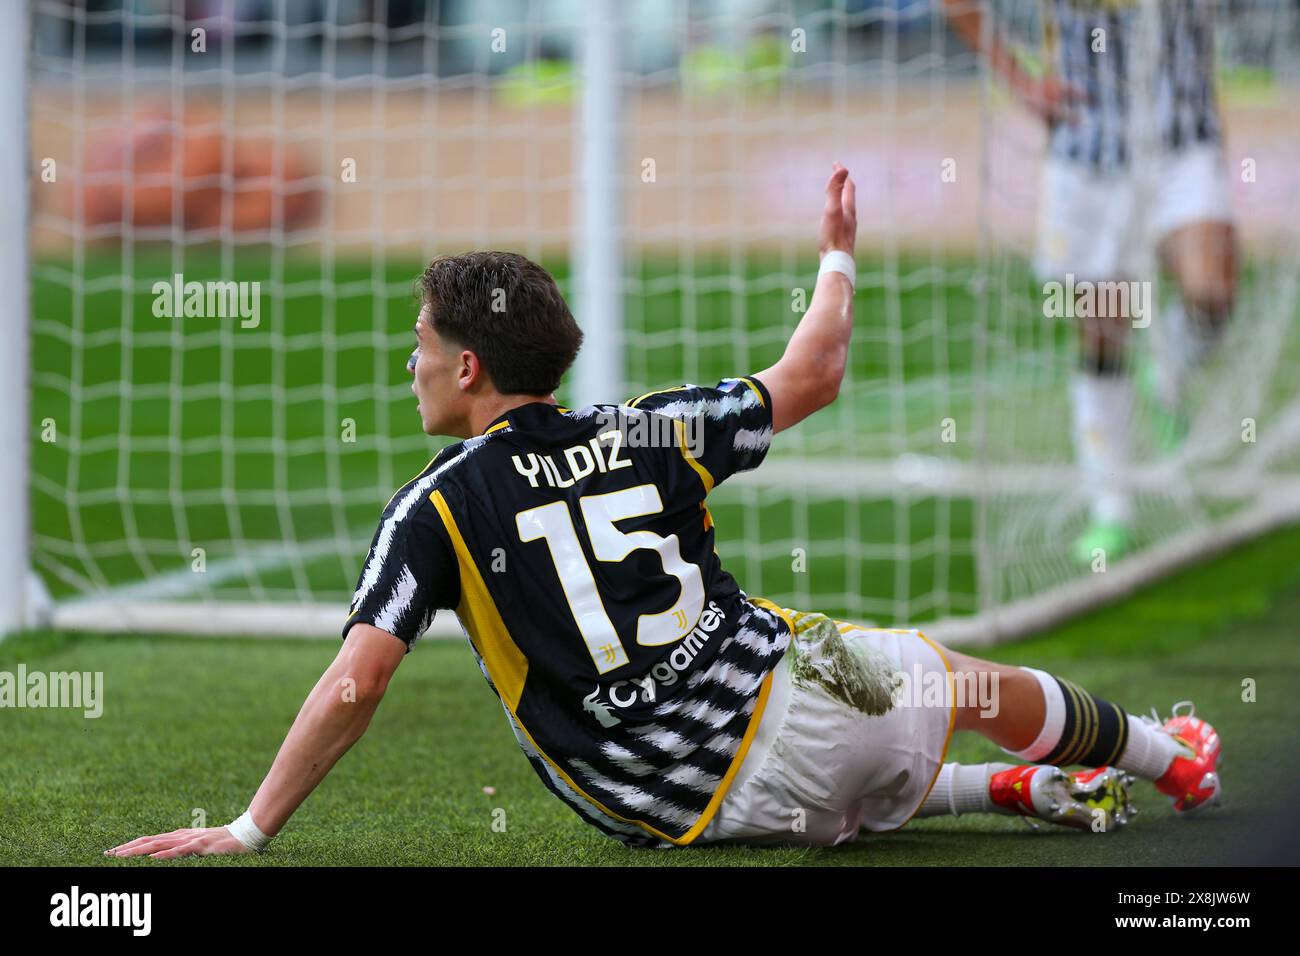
{"x": 228, "y": 215}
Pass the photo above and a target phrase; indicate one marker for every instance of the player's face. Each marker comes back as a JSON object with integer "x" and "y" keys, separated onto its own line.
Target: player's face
{"x": 434, "y": 371}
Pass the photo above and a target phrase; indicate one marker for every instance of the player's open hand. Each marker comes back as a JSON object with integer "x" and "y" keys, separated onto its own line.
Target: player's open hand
{"x": 205, "y": 841}
{"x": 839, "y": 225}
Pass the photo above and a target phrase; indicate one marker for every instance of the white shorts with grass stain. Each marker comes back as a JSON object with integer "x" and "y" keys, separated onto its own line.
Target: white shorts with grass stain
{"x": 837, "y": 750}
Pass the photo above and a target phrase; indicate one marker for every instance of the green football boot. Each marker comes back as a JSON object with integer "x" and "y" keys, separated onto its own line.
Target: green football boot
{"x": 1110, "y": 537}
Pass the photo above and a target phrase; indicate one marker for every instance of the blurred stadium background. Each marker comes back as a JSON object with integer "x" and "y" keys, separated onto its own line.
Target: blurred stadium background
{"x": 664, "y": 159}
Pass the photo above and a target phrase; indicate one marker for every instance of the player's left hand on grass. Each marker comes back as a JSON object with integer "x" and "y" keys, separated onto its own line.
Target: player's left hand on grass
{"x": 204, "y": 841}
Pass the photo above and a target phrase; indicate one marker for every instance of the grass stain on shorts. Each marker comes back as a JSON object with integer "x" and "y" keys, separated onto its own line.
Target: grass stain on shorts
{"x": 850, "y": 672}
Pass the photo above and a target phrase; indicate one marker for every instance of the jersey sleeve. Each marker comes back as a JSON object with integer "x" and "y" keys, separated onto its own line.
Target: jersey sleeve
{"x": 724, "y": 429}
{"x": 410, "y": 572}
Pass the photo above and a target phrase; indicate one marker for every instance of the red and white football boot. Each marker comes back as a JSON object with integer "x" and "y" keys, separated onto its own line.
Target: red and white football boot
{"x": 1192, "y": 780}
{"x": 1094, "y": 799}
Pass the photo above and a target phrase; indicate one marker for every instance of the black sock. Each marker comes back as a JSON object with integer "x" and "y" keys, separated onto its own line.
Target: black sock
{"x": 1095, "y": 732}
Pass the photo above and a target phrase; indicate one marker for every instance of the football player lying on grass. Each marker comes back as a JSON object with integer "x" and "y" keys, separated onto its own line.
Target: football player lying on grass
{"x": 649, "y": 692}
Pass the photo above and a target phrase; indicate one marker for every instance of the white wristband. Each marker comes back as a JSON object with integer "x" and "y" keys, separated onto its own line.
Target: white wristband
{"x": 841, "y": 262}
{"x": 246, "y": 832}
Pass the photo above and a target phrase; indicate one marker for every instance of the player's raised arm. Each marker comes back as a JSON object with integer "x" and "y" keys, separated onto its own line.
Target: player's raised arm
{"x": 1045, "y": 95}
{"x": 808, "y": 375}
{"x": 334, "y": 716}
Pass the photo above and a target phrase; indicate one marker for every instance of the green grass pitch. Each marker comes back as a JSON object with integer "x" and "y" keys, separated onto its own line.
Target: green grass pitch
{"x": 192, "y": 724}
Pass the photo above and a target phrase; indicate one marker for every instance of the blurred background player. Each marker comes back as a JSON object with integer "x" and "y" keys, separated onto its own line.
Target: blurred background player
{"x": 1134, "y": 160}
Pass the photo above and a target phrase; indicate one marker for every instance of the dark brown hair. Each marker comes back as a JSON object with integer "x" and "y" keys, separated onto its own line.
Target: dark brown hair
{"x": 508, "y": 311}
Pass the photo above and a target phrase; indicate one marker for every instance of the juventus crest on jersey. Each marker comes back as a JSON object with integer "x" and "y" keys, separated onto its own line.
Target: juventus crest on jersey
{"x": 577, "y": 551}
{"x": 1145, "y": 72}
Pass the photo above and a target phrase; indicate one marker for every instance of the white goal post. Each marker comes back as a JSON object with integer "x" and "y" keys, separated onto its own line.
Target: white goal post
{"x": 19, "y": 591}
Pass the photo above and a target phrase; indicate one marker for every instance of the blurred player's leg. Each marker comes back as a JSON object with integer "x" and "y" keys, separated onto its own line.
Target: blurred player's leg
{"x": 1102, "y": 401}
{"x": 1201, "y": 257}
{"x": 1198, "y": 249}
{"x": 1085, "y": 233}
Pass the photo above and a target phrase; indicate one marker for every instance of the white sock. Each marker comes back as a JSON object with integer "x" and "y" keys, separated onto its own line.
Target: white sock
{"x": 1103, "y": 405}
{"x": 961, "y": 788}
{"x": 1171, "y": 369}
{"x": 1191, "y": 341}
{"x": 1182, "y": 345}
{"x": 1149, "y": 751}
{"x": 1053, "y": 724}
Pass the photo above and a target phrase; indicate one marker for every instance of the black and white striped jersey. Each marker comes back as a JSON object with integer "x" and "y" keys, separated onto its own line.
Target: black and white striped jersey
{"x": 1145, "y": 73}
{"x": 578, "y": 553}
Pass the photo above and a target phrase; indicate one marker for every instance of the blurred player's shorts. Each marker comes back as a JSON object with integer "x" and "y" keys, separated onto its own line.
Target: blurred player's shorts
{"x": 1097, "y": 226}
{"x": 839, "y": 747}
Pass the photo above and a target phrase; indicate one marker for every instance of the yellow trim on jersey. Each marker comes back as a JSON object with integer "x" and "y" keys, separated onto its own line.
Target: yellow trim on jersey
{"x": 760, "y": 705}
{"x": 508, "y": 667}
{"x": 680, "y": 428}
{"x": 497, "y": 427}
{"x": 783, "y": 612}
{"x": 690, "y": 459}
{"x": 756, "y": 391}
{"x": 478, "y": 612}
{"x": 678, "y": 388}
{"x": 414, "y": 477}
{"x": 657, "y": 391}
{"x": 708, "y": 518}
